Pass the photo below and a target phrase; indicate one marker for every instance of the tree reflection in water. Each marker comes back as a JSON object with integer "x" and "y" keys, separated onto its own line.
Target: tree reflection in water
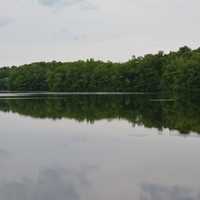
{"x": 181, "y": 113}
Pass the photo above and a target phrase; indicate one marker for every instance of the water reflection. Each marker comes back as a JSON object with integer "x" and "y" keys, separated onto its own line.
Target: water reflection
{"x": 62, "y": 159}
{"x": 50, "y": 184}
{"x": 182, "y": 114}
{"x": 4, "y": 155}
{"x": 160, "y": 192}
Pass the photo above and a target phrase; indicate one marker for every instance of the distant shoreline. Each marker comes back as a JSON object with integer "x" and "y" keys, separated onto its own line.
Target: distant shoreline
{"x": 172, "y": 72}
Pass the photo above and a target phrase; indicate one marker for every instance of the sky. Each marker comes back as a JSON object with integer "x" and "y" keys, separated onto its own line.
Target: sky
{"x": 69, "y": 30}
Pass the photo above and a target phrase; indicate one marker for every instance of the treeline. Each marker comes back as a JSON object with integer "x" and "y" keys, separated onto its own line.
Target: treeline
{"x": 175, "y": 71}
{"x": 181, "y": 114}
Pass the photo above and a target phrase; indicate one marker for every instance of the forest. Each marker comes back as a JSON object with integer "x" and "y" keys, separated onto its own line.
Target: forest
{"x": 174, "y": 72}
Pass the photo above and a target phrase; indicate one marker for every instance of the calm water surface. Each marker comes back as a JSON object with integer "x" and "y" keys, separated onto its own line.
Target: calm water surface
{"x": 94, "y": 147}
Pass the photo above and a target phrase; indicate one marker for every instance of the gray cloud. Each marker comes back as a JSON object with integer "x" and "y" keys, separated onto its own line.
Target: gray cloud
{"x": 5, "y": 21}
{"x": 53, "y": 3}
{"x": 160, "y": 192}
{"x": 88, "y": 6}
{"x": 4, "y": 153}
{"x": 61, "y": 3}
{"x": 107, "y": 30}
{"x": 59, "y": 184}
{"x": 84, "y": 5}
{"x": 4, "y": 156}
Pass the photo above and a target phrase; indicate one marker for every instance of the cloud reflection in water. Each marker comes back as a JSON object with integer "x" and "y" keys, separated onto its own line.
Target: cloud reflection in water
{"x": 51, "y": 184}
{"x": 161, "y": 192}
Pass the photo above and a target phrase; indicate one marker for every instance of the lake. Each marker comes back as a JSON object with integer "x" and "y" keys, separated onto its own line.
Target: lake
{"x": 56, "y": 146}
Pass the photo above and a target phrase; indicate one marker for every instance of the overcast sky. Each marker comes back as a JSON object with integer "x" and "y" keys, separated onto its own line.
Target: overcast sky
{"x": 36, "y": 30}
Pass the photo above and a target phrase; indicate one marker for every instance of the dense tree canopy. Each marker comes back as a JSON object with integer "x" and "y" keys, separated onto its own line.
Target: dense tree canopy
{"x": 175, "y": 71}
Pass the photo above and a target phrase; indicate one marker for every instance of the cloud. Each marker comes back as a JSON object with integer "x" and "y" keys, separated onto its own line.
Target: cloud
{"x": 4, "y": 153}
{"x": 107, "y": 30}
{"x": 5, "y": 21}
{"x": 158, "y": 192}
{"x": 59, "y": 3}
{"x": 51, "y": 184}
{"x": 84, "y": 5}
{"x": 88, "y": 6}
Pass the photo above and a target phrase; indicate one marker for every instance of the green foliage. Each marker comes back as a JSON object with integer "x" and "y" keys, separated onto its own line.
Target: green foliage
{"x": 4, "y": 76}
{"x": 176, "y": 71}
{"x": 29, "y": 77}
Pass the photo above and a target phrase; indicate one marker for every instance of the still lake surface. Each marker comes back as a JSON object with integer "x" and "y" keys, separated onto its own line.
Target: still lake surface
{"x": 92, "y": 147}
